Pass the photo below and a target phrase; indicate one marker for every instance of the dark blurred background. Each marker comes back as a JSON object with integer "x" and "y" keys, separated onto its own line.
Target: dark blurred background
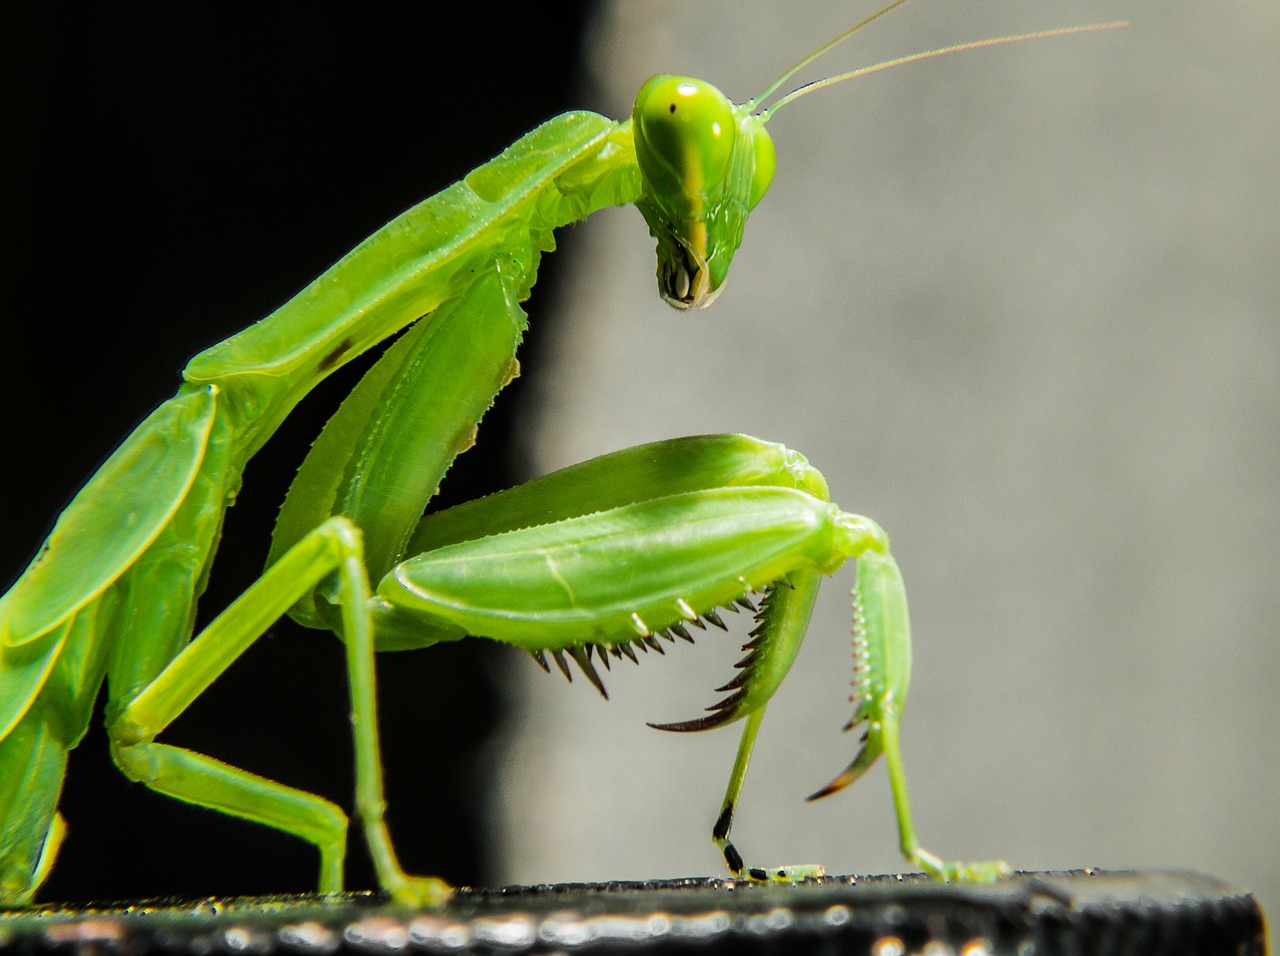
{"x": 173, "y": 173}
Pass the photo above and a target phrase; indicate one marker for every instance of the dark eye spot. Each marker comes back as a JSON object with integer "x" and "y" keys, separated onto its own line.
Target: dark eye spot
{"x": 672, "y": 107}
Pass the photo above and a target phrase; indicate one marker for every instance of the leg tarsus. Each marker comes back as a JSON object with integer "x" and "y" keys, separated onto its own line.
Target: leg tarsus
{"x": 954, "y": 871}
{"x": 795, "y": 873}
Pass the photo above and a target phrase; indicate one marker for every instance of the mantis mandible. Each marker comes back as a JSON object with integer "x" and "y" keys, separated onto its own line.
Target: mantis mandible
{"x": 630, "y": 548}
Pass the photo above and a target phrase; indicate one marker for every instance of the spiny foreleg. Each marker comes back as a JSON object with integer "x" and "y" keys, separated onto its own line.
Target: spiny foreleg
{"x": 617, "y": 555}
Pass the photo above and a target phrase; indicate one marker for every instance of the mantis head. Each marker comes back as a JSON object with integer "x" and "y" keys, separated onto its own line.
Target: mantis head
{"x": 705, "y": 163}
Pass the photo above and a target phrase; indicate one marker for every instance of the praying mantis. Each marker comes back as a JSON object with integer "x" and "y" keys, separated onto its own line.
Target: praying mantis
{"x": 112, "y": 593}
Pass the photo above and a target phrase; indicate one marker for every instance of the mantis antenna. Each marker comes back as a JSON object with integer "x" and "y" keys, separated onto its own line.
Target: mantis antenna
{"x": 767, "y": 113}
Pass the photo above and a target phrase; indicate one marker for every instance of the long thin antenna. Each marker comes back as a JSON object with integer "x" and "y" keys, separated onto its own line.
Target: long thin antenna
{"x": 913, "y": 57}
{"x": 810, "y": 57}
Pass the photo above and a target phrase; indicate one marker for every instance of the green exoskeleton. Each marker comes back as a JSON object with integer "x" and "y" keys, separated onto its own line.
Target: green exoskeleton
{"x": 631, "y": 548}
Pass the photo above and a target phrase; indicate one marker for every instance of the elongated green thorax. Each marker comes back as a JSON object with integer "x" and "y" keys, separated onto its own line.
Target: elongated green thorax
{"x": 705, "y": 163}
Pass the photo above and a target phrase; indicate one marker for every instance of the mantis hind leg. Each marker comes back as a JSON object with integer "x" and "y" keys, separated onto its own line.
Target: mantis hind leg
{"x": 195, "y": 778}
{"x": 334, "y": 548}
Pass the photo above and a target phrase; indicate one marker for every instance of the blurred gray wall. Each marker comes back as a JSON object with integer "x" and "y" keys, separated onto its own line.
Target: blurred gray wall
{"x": 1020, "y": 306}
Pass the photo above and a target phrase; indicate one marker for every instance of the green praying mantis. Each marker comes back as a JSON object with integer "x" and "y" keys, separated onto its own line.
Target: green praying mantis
{"x": 582, "y": 565}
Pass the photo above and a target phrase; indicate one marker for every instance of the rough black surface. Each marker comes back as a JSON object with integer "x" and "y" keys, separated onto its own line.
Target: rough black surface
{"x": 1030, "y": 914}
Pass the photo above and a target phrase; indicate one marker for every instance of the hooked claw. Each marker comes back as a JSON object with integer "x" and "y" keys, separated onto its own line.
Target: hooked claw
{"x": 872, "y": 747}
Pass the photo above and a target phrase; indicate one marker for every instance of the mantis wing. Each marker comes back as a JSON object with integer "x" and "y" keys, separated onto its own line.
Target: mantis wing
{"x": 113, "y": 519}
{"x": 108, "y": 525}
{"x": 383, "y": 453}
{"x": 23, "y": 671}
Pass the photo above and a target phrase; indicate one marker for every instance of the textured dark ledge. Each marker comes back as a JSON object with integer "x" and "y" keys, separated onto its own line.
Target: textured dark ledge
{"x": 1030, "y": 914}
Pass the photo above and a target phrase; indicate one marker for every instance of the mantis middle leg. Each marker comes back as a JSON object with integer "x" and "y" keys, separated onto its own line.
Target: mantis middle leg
{"x": 332, "y": 549}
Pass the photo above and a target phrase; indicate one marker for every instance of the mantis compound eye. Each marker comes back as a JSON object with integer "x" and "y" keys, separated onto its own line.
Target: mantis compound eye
{"x": 684, "y": 133}
{"x": 762, "y": 168}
